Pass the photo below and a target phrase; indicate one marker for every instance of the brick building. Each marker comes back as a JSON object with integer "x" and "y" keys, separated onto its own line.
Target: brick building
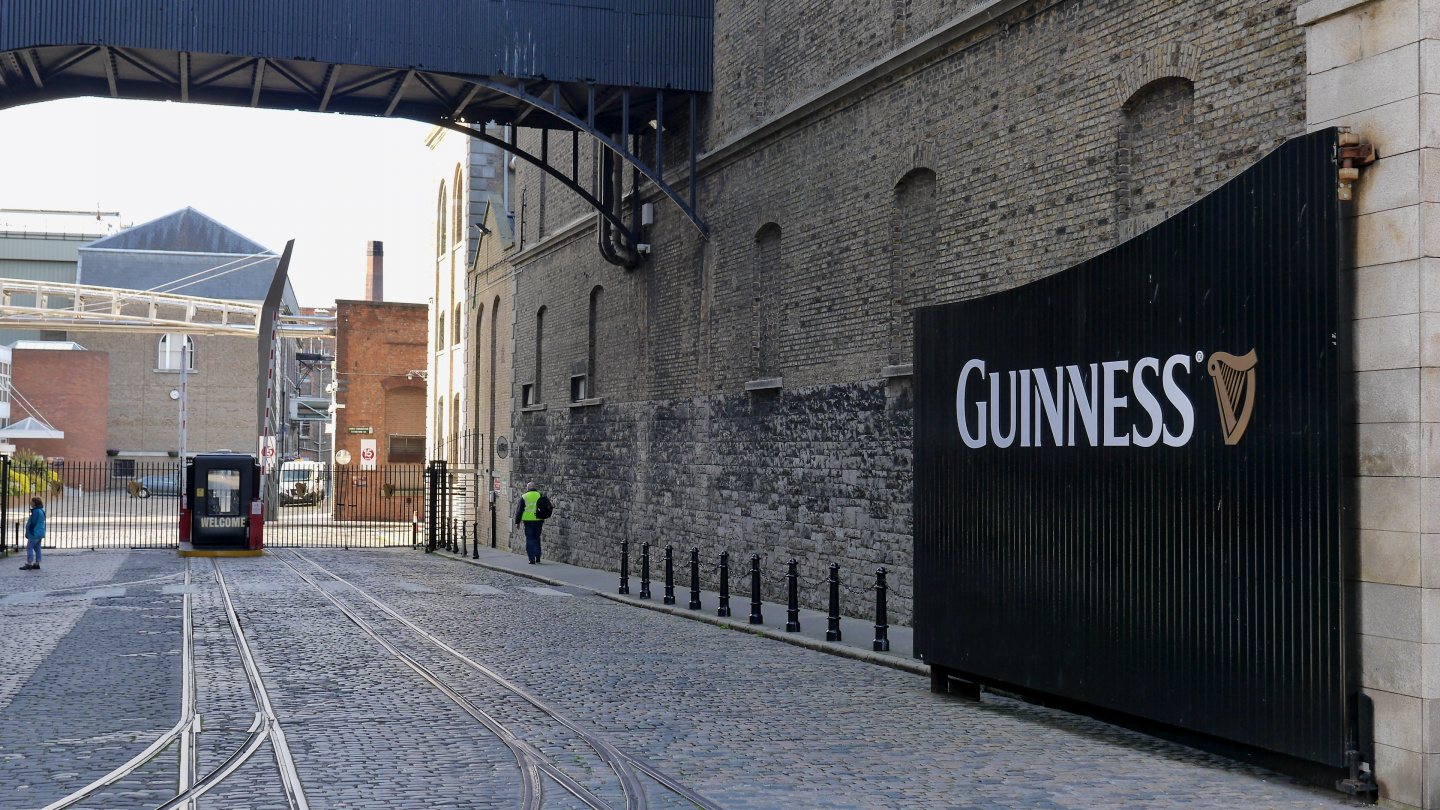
{"x": 750, "y": 391}
{"x": 380, "y": 354}
{"x": 189, "y": 253}
{"x": 469, "y": 173}
{"x": 67, "y": 387}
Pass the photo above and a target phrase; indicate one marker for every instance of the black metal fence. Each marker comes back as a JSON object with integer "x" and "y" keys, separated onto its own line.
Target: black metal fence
{"x": 348, "y": 507}
{"x": 122, "y": 503}
{"x": 116, "y": 503}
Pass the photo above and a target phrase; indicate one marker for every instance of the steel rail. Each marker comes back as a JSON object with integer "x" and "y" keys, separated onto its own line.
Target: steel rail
{"x": 189, "y": 744}
{"x": 606, "y": 750}
{"x": 258, "y": 734}
{"x": 635, "y": 798}
{"x": 181, "y": 729}
{"x": 289, "y": 775}
{"x": 530, "y": 760}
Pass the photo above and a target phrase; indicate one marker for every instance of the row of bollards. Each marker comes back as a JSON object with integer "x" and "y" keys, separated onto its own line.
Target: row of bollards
{"x": 792, "y": 577}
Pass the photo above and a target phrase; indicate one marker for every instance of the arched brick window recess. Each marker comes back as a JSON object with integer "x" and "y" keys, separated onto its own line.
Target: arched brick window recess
{"x": 478, "y": 341}
{"x": 456, "y": 451}
{"x": 440, "y": 215}
{"x": 536, "y": 397}
{"x": 912, "y": 255}
{"x": 768, "y": 285}
{"x": 494, "y": 358}
{"x": 592, "y": 359}
{"x": 439, "y": 427}
{"x": 459, "y": 321}
{"x": 1156, "y": 169}
{"x": 457, "y": 223}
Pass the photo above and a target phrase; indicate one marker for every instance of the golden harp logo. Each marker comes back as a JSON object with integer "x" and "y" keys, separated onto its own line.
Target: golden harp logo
{"x": 1235, "y": 391}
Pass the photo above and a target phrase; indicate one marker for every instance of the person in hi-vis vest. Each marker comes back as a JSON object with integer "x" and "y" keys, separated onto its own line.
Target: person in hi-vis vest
{"x": 531, "y": 514}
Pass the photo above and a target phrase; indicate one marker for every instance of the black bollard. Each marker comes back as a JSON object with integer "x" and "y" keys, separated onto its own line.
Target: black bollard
{"x": 833, "y": 620}
{"x": 644, "y": 570}
{"x": 694, "y": 578}
{"x": 882, "y": 630}
{"x": 669, "y": 598}
{"x": 464, "y": 538}
{"x": 475, "y": 539}
{"x": 792, "y": 610}
{"x": 625, "y": 566}
{"x": 724, "y": 584}
{"x": 755, "y": 616}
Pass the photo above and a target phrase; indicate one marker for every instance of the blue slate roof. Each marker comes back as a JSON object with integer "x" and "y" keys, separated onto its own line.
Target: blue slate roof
{"x": 187, "y": 253}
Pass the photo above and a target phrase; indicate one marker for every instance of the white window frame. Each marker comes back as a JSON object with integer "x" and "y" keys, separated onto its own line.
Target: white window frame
{"x": 167, "y": 355}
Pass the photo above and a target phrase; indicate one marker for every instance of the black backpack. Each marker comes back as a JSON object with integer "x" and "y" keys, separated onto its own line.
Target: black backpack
{"x": 543, "y": 508}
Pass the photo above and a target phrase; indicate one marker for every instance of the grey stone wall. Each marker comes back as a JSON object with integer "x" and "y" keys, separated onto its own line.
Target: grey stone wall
{"x": 819, "y": 474}
{"x": 987, "y": 162}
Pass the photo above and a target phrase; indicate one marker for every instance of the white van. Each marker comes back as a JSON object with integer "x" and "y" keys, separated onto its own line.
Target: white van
{"x": 302, "y": 482}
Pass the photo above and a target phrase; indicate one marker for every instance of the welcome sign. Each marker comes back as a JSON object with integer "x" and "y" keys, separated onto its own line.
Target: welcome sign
{"x": 1128, "y": 474}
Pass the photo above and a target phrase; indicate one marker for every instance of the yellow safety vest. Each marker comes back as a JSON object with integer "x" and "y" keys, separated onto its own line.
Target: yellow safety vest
{"x": 531, "y": 499}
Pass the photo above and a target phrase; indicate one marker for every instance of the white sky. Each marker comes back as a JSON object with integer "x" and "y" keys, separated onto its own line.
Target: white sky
{"x": 330, "y": 182}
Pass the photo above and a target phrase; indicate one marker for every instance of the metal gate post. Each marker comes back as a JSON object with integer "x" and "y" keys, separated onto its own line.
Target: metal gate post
{"x": 433, "y": 474}
{"x": 5, "y": 507}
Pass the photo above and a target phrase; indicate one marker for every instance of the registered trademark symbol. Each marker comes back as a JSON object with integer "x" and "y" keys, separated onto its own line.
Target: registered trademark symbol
{"x": 1199, "y": 357}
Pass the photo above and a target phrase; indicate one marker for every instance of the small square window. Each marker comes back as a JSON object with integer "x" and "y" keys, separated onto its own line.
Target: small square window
{"x": 577, "y": 388}
{"x": 123, "y": 468}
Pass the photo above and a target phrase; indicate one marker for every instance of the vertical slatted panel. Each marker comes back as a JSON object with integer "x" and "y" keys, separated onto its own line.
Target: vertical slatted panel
{"x": 1197, "y": 586}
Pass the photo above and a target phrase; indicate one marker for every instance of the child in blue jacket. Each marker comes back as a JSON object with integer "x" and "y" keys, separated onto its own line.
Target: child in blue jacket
{"x": 34, "y": 533}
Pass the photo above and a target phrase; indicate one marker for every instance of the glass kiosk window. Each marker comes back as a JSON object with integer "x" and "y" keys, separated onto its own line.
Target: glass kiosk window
{"x": 223, "y": 490}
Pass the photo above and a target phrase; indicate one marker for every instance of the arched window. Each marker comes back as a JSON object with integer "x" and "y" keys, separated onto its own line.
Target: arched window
{"x": 440, "y": 214}
{"x": 439, "y": 425}
{"x": 169, "y": 350}
{"x": 767, "y": 282}
{"x": 1155, "y": 156}
{"x": 912, "y": 239}
{"x": 592, "y": 366}
{"x": 494, "y": 334}
{"x": 440, "y": 330}
{"x": 459, "y": 324}
{"x": 531, "y": 393}
{"x": 458, "y": 224}
{"x": 455, "y": 427}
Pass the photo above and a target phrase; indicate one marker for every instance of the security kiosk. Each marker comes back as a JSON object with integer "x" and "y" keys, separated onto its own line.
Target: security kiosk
{"x": 221, "y": 514}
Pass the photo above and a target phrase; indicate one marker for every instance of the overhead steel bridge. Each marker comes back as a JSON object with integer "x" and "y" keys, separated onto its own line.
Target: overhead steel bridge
{"x": 26, "y": 304}
{"x": 621, "y": 74}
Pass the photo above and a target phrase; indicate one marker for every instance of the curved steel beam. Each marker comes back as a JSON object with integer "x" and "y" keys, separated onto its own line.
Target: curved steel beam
{"x": 639, "y": 165}
{"x": 545, "y": 167}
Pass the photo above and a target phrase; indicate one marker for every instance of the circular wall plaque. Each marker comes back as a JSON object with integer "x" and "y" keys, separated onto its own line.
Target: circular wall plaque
{"x": 342, "y": 456}
{"x": 502, "y": 447}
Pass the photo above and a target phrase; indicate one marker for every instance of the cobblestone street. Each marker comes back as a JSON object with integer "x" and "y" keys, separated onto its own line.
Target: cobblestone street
{"x": 400, "y": 680}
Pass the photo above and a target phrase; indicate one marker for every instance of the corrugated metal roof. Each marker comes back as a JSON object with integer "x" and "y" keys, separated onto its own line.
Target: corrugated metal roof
{"x": 627, "y": 43}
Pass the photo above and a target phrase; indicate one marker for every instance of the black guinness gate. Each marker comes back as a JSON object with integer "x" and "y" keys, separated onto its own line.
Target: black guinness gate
{"x": 1128, "y": 474}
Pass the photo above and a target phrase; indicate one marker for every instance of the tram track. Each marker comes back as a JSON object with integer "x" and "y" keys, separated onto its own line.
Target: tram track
{"x": 625, "y": 766}
{"x": 265, "y": 726}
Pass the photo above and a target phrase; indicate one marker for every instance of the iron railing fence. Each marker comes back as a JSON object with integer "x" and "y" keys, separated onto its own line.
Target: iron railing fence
{"x": 349, "y": 507}
{"x": 119, "y": 503}
{"x": 115, "y": 503}
{"x": 464, "y": 449}
{"x": 456, "y": 495}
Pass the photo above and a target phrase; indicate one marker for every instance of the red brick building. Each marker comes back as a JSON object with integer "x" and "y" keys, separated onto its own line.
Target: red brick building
{"x": 68, "y": 388}
{"x": 380, "y": 360}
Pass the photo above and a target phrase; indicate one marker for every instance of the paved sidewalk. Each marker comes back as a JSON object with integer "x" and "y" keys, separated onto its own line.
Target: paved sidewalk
{"x": 857, "y": 635}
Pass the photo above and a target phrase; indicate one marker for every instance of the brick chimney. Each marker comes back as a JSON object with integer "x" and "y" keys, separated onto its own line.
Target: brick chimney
{"x": 375, "y": 271}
